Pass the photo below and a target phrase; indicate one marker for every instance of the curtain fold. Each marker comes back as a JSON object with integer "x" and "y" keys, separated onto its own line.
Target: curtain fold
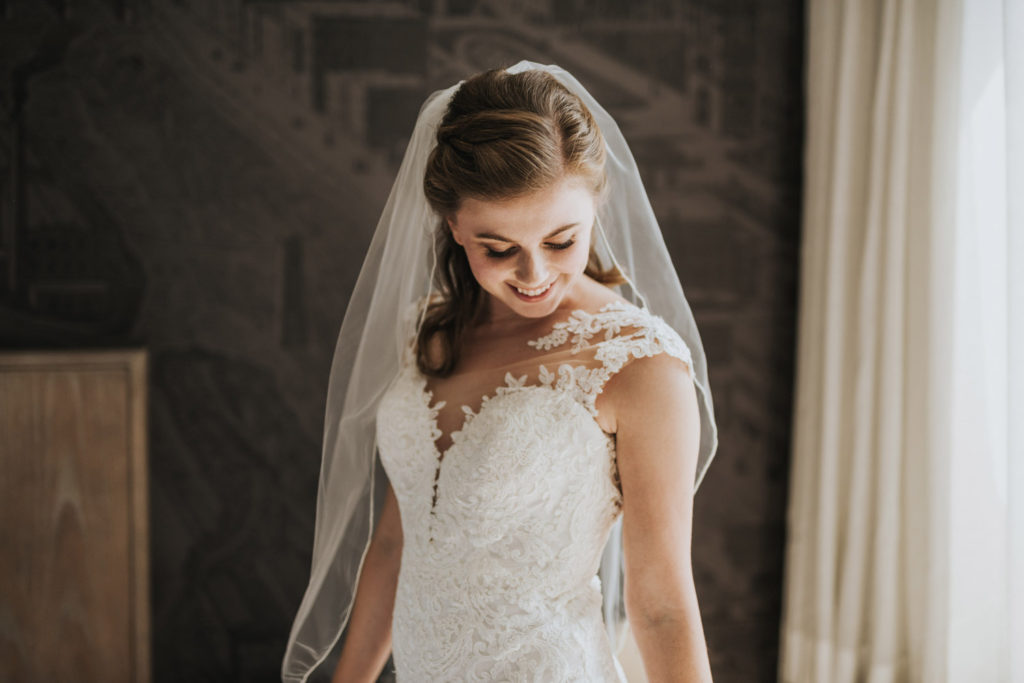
{"x": 904, "y": 523}
{"x": 1013, "y": 41}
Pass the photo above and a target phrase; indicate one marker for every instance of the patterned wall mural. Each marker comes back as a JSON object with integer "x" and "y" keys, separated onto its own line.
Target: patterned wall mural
{"x": 202, "y": 177}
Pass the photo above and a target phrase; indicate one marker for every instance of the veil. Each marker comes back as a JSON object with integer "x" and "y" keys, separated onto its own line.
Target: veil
{"x": 399, "y": 271}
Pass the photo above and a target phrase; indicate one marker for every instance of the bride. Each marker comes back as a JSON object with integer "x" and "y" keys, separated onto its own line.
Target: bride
{"x": 519, "y": 353}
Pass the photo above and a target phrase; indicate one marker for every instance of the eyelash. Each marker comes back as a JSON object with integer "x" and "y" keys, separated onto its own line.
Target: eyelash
{"x": 508, "y": 252}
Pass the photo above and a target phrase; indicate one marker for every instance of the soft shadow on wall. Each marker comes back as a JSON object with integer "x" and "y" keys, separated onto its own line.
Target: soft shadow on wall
{"x": 204, "y": 177}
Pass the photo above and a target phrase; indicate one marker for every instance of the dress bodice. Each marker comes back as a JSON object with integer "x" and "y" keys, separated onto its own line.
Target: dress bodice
{"x": 504, "y": 528}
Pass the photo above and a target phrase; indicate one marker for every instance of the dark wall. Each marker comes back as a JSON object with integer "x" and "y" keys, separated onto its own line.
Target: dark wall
{"x": 203, "y": 178}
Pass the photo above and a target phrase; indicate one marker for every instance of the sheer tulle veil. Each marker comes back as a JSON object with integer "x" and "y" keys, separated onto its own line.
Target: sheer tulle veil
{"x": 399, "y": 271}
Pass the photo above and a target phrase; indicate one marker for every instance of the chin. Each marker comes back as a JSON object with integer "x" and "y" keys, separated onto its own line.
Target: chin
{"x": 533, "y": 310}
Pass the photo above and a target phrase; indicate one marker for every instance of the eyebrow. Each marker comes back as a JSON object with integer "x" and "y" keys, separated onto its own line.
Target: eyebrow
{"x": 499, "y": 238}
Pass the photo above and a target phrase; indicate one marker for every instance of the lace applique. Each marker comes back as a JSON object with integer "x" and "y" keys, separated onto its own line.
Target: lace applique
{"x": 511, "y": 384}
{"x": 650, "y": 336}
{"x": 583, "y": 326}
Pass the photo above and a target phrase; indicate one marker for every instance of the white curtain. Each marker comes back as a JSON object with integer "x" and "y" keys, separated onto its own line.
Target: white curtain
{"x": 905, "y": 543}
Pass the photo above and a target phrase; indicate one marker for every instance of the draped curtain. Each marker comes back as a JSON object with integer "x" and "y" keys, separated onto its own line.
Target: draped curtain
{"x": 905, "y": 527}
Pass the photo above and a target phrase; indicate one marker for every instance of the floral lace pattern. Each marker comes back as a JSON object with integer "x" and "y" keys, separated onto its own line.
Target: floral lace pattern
{"x": 649, "y": 336}
{"x": 504, "y": 529}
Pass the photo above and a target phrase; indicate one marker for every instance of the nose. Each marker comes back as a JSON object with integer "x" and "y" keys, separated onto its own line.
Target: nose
{"x": 531, "y": 269}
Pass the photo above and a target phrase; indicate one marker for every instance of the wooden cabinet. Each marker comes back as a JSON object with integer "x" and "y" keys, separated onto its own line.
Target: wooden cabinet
{"x": 74, "y": 551}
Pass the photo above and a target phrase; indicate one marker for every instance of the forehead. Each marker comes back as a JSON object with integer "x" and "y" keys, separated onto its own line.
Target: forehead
{"x": 564, "y": 202}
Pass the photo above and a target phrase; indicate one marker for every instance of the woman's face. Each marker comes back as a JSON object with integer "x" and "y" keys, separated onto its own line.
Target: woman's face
{"x": 528, "y": 252}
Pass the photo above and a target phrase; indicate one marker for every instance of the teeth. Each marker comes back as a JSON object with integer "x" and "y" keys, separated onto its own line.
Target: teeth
{"x": 534, "y": 292}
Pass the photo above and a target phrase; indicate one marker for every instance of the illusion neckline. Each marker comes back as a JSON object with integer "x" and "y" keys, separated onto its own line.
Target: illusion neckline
{"x": 426, "y": 394}
{"x": 580, "y": 314}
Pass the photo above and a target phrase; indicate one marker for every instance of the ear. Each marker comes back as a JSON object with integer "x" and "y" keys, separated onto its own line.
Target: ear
{"x": 452, "y": 227}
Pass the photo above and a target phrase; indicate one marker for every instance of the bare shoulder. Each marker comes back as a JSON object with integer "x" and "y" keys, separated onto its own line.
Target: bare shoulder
{"x": 653, "y": 409}
{"x": 434, "y": 350}
{"x": 647, "y": 389}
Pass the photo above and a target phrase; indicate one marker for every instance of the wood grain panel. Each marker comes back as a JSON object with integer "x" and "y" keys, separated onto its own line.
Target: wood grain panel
{"x": 73, "y": 504}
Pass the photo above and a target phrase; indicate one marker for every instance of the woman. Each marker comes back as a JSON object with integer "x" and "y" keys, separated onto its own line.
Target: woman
{"x": 525, "y": 406}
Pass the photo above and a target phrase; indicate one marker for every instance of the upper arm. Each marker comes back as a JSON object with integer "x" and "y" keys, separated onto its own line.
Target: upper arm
{"x": 652, "y": 404}
{"x": 388, "y": 534}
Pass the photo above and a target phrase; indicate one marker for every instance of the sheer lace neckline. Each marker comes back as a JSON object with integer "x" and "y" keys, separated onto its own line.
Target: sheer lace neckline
{"x": 579, "y": 327}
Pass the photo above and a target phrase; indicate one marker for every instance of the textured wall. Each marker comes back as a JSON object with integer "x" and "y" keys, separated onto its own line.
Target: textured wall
{"x": 204, "y": 176}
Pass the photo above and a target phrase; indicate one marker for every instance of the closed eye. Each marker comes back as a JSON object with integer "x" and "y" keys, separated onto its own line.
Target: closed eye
{"x": 557, "y": 246}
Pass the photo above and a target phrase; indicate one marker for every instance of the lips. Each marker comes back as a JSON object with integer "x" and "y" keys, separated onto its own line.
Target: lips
{"x": 532, "y": 294}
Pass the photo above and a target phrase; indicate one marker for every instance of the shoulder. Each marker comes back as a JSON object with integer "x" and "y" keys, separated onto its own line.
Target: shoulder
{"x": 649, "y": 368}
{"x": 412, "y": 317}
{"x": 632, "y": 333}
{"x": 618, "y": 331}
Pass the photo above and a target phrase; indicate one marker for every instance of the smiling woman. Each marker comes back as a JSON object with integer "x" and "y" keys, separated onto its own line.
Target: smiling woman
{"x": 513, "y": 256}
{"x": 511, "y": 169}
{"x": 536, "y": 423}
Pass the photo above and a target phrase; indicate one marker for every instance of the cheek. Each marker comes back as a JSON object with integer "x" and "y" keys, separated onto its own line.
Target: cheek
{"x": 486, "y": 269}
{"x": 577, "y": 261}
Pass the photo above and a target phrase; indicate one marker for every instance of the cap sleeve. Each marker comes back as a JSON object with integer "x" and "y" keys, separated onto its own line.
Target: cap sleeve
{"x": 651, "y": 337}
{"x": 614, "y": 337}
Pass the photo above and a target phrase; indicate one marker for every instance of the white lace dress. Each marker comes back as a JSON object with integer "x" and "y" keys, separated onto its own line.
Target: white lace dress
{"x": 504, "y": 528}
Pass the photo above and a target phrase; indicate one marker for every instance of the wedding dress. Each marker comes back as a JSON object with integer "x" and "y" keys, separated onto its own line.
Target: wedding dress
{"x": 507, "y": 490}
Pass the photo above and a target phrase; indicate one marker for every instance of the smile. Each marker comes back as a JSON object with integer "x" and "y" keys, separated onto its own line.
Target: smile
{"x": 533, "y": 294}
